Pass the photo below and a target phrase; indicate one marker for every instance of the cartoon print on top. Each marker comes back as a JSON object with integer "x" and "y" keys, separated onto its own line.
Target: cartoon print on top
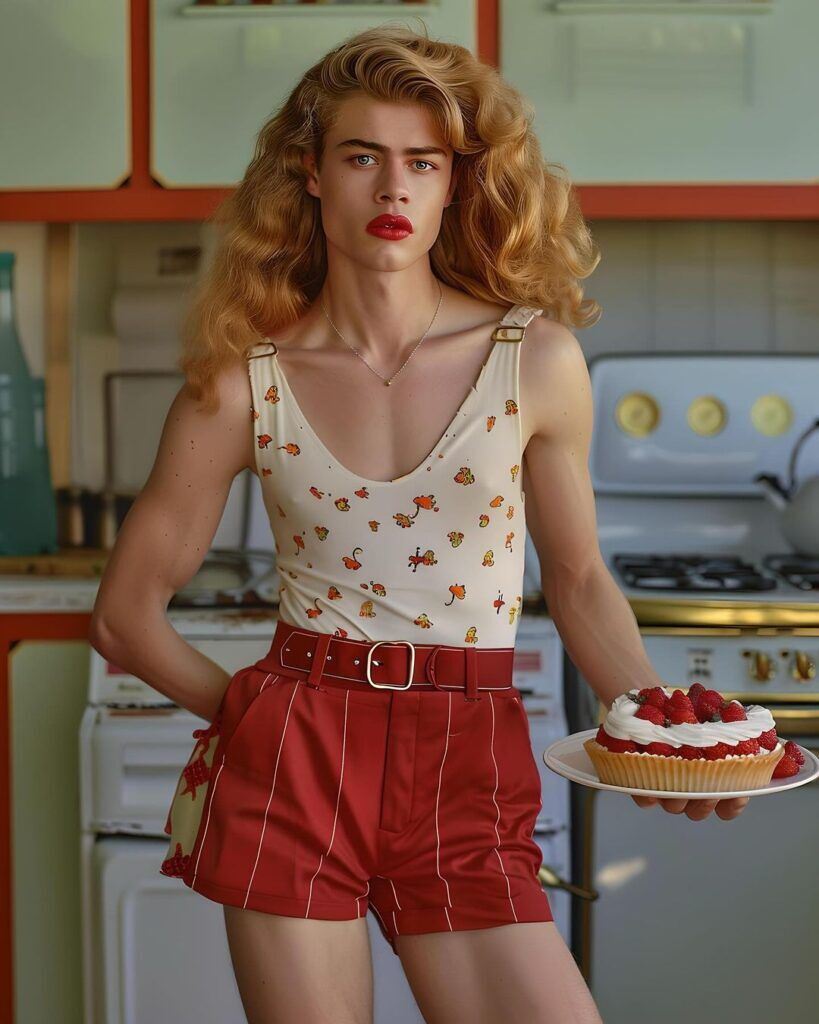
{"x": 450, "y": 584}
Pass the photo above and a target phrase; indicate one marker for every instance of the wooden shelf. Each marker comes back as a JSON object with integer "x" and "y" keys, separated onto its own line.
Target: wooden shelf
{"x": 75, "y": 563}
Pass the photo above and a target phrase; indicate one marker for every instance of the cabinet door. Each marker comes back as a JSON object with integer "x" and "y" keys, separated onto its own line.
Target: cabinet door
{"x": 679, "y": 91}
{"x": 48, "y": 695}
{"x": 65, "y": 86}
{"x": 220, "y": 72}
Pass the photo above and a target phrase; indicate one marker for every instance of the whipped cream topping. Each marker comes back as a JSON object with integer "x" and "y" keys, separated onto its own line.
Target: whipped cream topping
{"x": 621, "y": 723}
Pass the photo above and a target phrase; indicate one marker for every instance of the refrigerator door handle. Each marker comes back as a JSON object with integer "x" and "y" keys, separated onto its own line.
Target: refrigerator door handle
{"x": 549, "y": 879}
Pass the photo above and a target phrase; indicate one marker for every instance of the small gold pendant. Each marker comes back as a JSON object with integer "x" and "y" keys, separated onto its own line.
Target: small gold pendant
{"x": 387, "y": 383}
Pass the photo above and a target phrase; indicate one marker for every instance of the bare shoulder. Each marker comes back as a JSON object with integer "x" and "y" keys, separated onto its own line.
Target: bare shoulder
{"x": 554, "y": 379}
{"x": 548, "y": 340}
{"x": 223, "y": 436}
{"x": 173, "y": 519}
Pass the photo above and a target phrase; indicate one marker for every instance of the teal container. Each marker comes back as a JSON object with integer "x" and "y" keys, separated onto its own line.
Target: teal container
{"x": 28, "y": 507}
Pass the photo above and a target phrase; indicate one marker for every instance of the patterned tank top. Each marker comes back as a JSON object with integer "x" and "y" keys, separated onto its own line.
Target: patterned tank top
{"x": 434, "y": 556}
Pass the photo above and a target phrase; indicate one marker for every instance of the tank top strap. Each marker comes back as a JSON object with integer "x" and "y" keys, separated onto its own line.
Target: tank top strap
{"x": 264, "y": 348}
{"x": 502, "y": 386}
{"x": 264, "y": 385}
{"x": 512, "y": 325}
{"x": 261, "y": 366}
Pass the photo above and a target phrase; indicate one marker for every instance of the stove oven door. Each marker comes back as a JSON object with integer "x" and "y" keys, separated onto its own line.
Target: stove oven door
{"x": 715, "y": 917}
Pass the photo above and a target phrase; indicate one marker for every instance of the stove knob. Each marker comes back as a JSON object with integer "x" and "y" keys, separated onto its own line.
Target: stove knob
{"x": 803, "y": 667}
{"x": 761, "y": 666}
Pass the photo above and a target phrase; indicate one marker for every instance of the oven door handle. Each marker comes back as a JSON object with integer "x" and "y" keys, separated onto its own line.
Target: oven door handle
{"x": 550, "y": 879}
{"x": 797, "y": 724}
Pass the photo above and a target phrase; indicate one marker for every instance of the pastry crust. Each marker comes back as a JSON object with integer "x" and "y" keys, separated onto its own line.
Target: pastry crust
{"x": 641, "y": 770}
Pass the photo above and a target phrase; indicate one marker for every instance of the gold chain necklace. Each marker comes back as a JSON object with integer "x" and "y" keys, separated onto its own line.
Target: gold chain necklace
{"x": 387, "y": 381}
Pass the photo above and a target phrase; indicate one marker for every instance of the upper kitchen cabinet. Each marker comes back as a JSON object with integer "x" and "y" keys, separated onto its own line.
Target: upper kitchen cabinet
{"x": 219, "y": 72}
{"x": 65, "y": 116}
{"x": 680, "y": 91}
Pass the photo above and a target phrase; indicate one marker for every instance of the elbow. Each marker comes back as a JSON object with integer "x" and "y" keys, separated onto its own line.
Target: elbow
{"x": 118, "y": 641}
{"x": 101, "y": 635}
{"x": 117, "y": 614}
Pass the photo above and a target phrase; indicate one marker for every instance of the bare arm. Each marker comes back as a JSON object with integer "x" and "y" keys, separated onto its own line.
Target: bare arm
{"x": 163, "y": 541}
{"x": 592, "y": 615}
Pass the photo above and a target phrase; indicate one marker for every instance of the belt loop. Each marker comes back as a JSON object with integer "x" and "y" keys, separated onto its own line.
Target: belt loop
{"x": 471, "y": 673}
{"x": 429, "y": 666}
{"x": 319, "y": 654}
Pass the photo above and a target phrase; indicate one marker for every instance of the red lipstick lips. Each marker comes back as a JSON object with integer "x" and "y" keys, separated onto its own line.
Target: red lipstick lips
{"x": 389, "y": 225}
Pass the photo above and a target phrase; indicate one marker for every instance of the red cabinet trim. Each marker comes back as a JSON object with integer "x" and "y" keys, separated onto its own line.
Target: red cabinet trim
{"x": 143, "y": 198}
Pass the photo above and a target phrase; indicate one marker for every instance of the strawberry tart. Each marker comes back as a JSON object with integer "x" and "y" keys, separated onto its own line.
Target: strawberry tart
{"x": 695, "y": 741}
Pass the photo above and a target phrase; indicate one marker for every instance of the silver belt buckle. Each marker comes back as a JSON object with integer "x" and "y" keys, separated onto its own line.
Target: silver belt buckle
{"x": 390, "y": 686}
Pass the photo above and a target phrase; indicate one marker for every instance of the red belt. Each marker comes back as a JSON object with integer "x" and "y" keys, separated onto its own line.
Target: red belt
{"x": 387, "y": 664}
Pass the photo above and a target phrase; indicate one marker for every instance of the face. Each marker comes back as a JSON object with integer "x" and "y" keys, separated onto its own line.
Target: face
{"x": 382, "y": 158}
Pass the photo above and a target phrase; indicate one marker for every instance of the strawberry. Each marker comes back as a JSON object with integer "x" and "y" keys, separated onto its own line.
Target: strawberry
{"x": 715, "y": 696}
{"x": 747, "y": 747}
{"x": 621, "y": 746}
{"x": 681, "y": 700}
{"x": 690, "y": 753}
{"x": 679, "y": 715}
{"x": 792, "y": 750}
{"x": 768, "y": 739}
{"x": 654, "y": 695}
{"x": 717, "y": 751}
{"x": 707, "y": 710}
{"x": 695, "y": 690}
{"x": 785, "y": 767}
{"x": 665, "y": 749}
{"x": 651, "y": 713}
{"x": 733, "y": 711}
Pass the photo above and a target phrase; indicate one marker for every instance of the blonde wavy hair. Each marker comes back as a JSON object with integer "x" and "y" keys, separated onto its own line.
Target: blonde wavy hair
{"x": 514, "y": 232}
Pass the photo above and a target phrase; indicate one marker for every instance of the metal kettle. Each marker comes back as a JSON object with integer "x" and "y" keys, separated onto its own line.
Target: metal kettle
{"x": 798, "y": 504}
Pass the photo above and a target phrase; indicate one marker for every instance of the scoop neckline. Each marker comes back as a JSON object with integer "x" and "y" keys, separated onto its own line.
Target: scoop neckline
{"x": 431, "y": 455}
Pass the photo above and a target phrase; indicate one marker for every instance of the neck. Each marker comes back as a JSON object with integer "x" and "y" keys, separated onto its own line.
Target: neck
{"x": 380, "y": 324}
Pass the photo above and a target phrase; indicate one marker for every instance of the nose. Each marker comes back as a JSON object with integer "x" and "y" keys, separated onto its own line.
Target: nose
{"x": 391, "y": 185}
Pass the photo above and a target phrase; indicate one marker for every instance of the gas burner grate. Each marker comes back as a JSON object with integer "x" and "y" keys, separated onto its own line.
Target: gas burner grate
{"x": 800, "y": 571}
{"x": 691, "y": 572}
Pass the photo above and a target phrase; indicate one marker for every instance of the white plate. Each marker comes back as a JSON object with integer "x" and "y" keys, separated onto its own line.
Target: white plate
{"x": 568, "y": 758}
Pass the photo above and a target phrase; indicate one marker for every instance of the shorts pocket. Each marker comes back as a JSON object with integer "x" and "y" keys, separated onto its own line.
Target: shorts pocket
{"x": 253, "y": 715}
{"x": 185, "y": 812}
{"x": 227, "y": 695}
{"x": 526, "y": 753}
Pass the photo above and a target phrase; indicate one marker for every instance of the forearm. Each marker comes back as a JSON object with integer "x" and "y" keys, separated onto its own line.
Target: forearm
{"x": 150, "y": 648}
{"x": 600, "y": 633}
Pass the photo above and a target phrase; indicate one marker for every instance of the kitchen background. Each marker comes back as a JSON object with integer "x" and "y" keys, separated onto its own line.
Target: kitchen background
{"x": 690, "y": 131}
{"x": 724, "y": 286}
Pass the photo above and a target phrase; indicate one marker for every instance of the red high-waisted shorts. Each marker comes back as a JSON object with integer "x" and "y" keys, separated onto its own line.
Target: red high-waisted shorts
{"x": 320, "y": 801}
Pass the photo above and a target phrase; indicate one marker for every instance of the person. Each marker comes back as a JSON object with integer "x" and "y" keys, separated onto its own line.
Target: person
{"x": 392, "y": 300}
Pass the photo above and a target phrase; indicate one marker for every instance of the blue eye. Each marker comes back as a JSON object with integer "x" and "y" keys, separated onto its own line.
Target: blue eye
{"x": 368, "y": 156}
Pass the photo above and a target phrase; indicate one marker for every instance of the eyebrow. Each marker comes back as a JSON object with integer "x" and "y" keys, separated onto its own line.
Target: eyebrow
{"x": 379, "y": 148}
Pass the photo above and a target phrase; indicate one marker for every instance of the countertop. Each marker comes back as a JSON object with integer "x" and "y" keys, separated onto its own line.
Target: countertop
{"x": 68, "y": 580}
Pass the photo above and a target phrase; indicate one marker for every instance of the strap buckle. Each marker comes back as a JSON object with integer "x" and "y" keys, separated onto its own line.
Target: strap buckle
{"x": 391, "y": 686}
{"x": 510, "y": 333}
